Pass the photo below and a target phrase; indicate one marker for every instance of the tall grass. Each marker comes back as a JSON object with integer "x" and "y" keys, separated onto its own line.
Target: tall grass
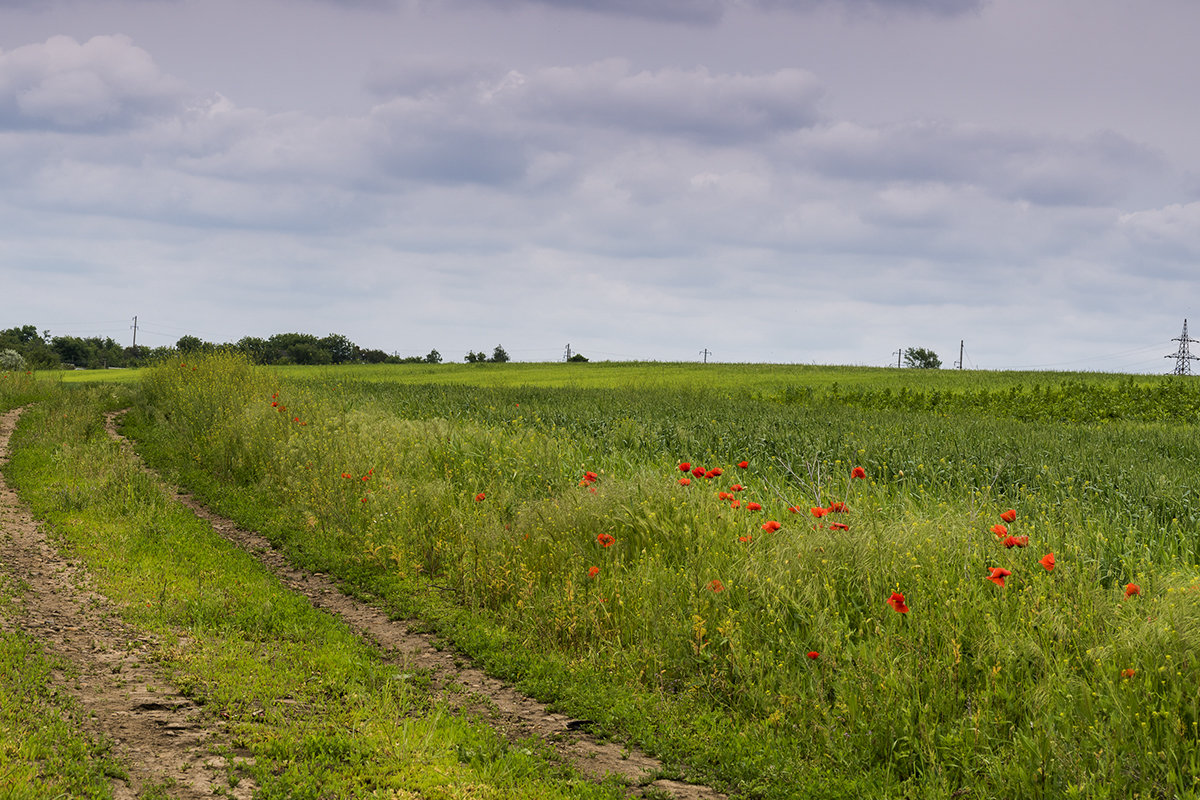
{"x": 747, "y": 653}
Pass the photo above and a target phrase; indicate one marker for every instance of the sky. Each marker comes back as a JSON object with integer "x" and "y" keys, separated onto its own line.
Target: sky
{"x": 782, "y": 181}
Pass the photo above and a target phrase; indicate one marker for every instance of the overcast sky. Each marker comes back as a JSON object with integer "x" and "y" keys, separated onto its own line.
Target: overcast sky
{"x": 810, "y": 181}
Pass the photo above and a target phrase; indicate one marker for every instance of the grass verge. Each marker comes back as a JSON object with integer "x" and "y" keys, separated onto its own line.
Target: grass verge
{"x": 314, "y": 711}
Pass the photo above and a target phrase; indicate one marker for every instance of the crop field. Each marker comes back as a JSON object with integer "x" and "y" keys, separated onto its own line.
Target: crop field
{"x": 781, "y": 581}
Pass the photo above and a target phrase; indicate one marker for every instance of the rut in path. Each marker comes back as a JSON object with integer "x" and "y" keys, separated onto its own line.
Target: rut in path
{"x": 162, "y": 738}
{"x": 513, "y": 713}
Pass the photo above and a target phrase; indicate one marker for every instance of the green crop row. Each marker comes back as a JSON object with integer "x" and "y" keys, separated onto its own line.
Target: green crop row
{"x": 762, "y": 657}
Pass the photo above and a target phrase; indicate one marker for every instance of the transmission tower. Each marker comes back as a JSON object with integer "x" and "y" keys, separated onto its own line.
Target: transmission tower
{"x": 1183, "y": 358}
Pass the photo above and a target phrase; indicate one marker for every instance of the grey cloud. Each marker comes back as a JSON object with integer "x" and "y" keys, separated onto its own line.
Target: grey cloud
{"x": 102, "y": 84}
{"x": 1171, "y": 233}
{"x": 446, "y": 124}
{"x": 935, "y": 7}
{"x": 694, "y": 103}
{"x": 685, "y": 11}
{"x": 462, "y": 155}
{"x": 708, "y": 12}
{"x": 423, "y": 77}
{"x": 1043, "y": 170}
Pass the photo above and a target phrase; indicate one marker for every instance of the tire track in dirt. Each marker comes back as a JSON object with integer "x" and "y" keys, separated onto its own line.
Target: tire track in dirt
{"x": 161, "y": 737}
{"x": 512, "y": 713}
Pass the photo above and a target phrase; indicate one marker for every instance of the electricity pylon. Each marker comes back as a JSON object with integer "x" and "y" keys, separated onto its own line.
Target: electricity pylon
{"x": 1183, "y": 357}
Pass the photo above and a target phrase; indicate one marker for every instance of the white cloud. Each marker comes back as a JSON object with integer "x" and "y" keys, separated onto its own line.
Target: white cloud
{"x": 1171, "y": 232}
{"x": 102, "y": 84}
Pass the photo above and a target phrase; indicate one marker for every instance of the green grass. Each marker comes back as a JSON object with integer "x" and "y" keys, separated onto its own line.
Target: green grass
{"x": 372, "y": 474}
{"x": 736, "y": 379}
{"x": 319, "y": 711}
{"x": 43, "y": 752}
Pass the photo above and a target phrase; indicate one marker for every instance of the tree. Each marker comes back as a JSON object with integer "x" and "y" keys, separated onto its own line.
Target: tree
{"x": 476, "y": 358}
{"x": 34, "y": 347}
{"x": 499, "y": 356}
{"x": 921, "y": 358}
{"x": 373, "y": 356}
{"x": 578, "y": 358}
{"x": 434, "y": 357}
{"x": 340, "y": 348}
{"x": 190, "y": 344}
{"x": 253, "y": 348}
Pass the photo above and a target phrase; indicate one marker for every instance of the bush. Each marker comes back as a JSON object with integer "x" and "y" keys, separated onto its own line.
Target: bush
{"x": 11, "y": 361}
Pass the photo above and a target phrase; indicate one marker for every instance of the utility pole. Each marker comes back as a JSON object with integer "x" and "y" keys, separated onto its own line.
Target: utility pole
{"x": 1183, "y": 356}
{"x": 567, "y": 357}
{"x": 705, "y": 352}
{"x": 135, "y": 332}
{"x": 899, "y": 353}
{"x": 960, "y": 353}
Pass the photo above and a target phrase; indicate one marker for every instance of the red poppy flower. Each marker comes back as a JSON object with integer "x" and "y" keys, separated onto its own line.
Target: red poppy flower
{"x": 771, "y": 526}
{"x": 593, "y": 572}
{"x": 1010, "y": 515}
{"x": 1047, "y": 561}
{"x": 724, "y": 496}
{"x": 1128, "y": 673}
{"x": 838, "y": 508}
{"x": 746, "y": 538}
{"x": 274, "y": 405}
{"x": 839, "y": 526}
{"x": 685, "y": 482}
{"x": 794, "y": 509}
{"x": 818, "y": 512}
{"x": 716, "y": 585}
{"x": 605, "y": 539}
{"x": 1131, "y": 589}
{"x": 814, "y": 655}
{"x": 858, "y": 472}
{"x": 698, "y": 472}
{"x": 710, "y": 474}
{"x": 737, "y": 487}
{"x": 736, "y": 504}
{"x": 347, "y": 475}
{"x": 753, "y": 506}
{"x": 478, "y": 498}
{"x": 998, "y": 575}
{"x": 743, "y": 464}
{"x": 715, "y": 472}
{"x": 685, "y": 466}
{"x": 591, "y": 477}
{"x": 999, "y": 530}
{"x": 896, "y": 601}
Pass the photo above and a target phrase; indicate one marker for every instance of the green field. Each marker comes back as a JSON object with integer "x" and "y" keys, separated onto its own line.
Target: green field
{"x": 763, "y": 659}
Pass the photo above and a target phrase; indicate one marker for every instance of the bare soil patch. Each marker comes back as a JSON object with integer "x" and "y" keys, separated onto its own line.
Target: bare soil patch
{"x": 513, "y": 713}
{"x": 163, "y": 738}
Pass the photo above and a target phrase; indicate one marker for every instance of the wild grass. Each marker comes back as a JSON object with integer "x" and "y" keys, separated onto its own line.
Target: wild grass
{"x": 691, "y": 631}
{"x": 317, "y": 709}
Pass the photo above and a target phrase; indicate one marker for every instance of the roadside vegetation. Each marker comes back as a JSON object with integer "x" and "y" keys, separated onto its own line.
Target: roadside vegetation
{"x": 312, "y": 710}
{"x": 864, "y": 583}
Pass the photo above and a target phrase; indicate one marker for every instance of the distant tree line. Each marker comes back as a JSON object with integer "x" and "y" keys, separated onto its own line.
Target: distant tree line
{"x": 27, "y": 348}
